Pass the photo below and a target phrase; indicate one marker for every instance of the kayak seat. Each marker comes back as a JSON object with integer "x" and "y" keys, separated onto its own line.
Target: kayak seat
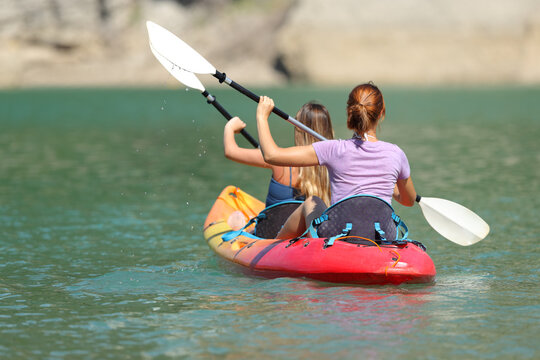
{"x": 271, "y": 219}
{"x": 357, "y": 216}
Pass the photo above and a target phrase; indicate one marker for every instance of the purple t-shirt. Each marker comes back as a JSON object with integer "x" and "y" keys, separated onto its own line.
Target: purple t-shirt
{"x": 361, "y": 167}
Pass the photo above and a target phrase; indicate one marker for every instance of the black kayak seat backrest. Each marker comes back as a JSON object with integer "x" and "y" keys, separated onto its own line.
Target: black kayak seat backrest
{"x": 362, "y": 211}
{"x": 272, "y": 218}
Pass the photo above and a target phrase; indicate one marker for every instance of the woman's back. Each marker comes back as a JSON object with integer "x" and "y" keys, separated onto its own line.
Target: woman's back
{"x": 359, "y": 167}
{"x": 283, "y": 185}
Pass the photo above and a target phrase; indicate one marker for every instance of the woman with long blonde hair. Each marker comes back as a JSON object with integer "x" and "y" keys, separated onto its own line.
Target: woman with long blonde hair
{"x": 287, "y": 183}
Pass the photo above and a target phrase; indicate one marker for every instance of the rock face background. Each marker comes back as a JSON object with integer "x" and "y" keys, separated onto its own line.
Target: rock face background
{"x": 418, "y": 42}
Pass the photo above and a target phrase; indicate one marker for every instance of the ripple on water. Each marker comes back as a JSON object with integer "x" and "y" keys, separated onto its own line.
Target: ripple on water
{"x": 135, "y": 281}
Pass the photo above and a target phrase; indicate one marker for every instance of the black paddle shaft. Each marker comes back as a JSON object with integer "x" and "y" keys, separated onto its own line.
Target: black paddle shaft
{"x": 222, "y": 77}
{"x": 212, "y": 100}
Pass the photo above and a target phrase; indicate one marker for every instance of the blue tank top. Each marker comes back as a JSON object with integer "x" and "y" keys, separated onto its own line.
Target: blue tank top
{"x": 278, "y": 192}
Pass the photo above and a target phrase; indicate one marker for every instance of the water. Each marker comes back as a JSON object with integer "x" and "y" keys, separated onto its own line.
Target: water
{"x": 103, "y": 194}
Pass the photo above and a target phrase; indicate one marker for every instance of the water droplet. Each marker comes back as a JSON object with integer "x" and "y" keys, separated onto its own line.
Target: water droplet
{"x": 187, "y": 89}
{"x": 162, "y": 108}
{"x": 200, "y": 141}
{"x": 187, "y": 203}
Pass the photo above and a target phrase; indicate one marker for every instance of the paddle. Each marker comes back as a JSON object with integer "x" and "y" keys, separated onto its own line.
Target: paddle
{"x": 171, "y": 48}
{"x": 453, "y": 221}
{"x": 190, "y": 80}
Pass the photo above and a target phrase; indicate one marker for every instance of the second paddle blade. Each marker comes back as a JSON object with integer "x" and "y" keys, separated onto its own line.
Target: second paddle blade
{"x": 454, "y": 221}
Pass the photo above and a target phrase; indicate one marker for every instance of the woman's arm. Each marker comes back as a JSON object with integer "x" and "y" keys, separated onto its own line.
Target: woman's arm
{"x": 404, "y": 192}
{"x": 273, "y": 154}
{"x": 233, "y": 152}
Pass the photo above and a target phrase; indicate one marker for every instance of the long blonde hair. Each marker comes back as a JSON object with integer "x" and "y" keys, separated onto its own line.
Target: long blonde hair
{"x": 313, "y": 180}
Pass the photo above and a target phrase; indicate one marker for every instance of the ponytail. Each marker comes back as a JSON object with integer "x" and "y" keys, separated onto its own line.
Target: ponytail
{"x": 365, "y": 108}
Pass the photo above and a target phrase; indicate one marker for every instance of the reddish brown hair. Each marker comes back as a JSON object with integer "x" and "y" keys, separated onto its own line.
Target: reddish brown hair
{"x": 365, "y": 108}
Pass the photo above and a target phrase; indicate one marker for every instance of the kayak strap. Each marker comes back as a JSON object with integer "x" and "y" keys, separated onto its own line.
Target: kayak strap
{"x": 401, "y": 228}
{"x": 330, "y": 241}
{"x": 268, "y": 222}
{"x": 379, "y": 231}
{"x": 314, "y": 224}
{"x": 236, "y": 233}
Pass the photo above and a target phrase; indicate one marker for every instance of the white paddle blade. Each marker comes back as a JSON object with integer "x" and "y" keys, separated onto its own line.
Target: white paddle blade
{"x": 176, "y": 51}
{"x": 453, "y": 221}
{"x": 185, "y": 77}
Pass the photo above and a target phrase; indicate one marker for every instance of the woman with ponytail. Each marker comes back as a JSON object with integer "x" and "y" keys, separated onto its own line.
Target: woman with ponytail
{"x": 362, "y": 164}
{"x": 287, "y": 182}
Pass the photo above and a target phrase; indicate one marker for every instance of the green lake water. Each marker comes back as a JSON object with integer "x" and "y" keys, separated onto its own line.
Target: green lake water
{"x": 103, "y": 194}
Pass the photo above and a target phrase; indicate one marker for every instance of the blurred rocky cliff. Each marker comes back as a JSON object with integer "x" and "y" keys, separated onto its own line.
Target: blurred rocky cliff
{"x": 420, "y": 42}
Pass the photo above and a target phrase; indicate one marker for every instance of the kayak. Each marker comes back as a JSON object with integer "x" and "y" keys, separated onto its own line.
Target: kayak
{"x": 343, "y": 262}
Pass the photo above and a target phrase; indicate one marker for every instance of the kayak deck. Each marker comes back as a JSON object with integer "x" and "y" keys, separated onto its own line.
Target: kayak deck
{"x": 343, "y": 262}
